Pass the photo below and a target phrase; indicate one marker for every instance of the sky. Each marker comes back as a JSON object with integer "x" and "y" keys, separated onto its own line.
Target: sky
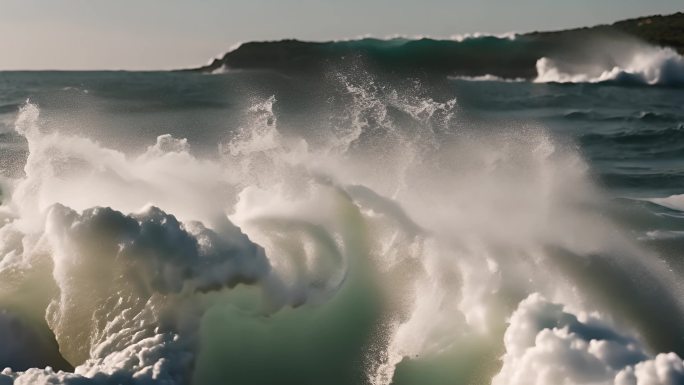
{"x": 171, "y": 34}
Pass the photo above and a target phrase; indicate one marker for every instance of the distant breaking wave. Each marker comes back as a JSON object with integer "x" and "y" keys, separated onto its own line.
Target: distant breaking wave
{"x": 486, "y": 78}
{"x": 647, "y": 65}
{"x": 580, "y": 56}
{"x": 674, "y": 202}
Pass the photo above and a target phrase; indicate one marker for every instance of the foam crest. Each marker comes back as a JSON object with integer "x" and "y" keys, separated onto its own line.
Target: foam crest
{"x": 544, "y": 342}
{"x": 644, "y": 65}
{"x": 675, "y": 202}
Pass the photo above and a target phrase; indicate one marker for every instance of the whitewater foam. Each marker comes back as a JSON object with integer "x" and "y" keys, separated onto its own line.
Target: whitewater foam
{"x": 480, "y": 35}
{"x": 402, "y": 239}
{"x": 675, "y": 202}
{"x": 645, "y": 65}
{"x": 544, "y": 343}
{"x": 487, "y": 78}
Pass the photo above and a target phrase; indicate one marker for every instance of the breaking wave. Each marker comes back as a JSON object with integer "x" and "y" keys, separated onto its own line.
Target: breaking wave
{"x": 648, "y": 65}
{"x": 486, "y": 78}
{"x": 401, "y": 246}
{"x": 674, "y": 202}
{"x": 575, "y": 56}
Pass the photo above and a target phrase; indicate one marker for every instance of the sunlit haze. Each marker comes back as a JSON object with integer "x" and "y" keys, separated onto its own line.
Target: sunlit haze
{"x": 167, "y": 34}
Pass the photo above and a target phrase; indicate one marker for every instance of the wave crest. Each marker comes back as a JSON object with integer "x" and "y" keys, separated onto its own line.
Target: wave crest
{"x": 648, "y": 65}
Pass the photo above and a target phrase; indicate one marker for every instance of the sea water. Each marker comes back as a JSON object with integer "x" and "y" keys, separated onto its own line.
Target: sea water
{"x": 351, "y": 227}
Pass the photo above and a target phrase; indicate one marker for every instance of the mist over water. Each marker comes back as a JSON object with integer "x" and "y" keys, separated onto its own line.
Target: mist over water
{"x": 270, "y": 228}
{"x": 633, "y": 64}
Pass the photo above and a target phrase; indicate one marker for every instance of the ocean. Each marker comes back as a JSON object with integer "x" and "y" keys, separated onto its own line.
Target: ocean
{"x": 350, "y": 225}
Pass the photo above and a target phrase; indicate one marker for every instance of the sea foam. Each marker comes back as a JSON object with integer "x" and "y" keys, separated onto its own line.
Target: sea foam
{"x": 383, "y": 250}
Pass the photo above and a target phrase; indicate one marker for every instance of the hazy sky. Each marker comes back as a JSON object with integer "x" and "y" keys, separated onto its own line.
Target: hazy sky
{"x": 165, "y": 34}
